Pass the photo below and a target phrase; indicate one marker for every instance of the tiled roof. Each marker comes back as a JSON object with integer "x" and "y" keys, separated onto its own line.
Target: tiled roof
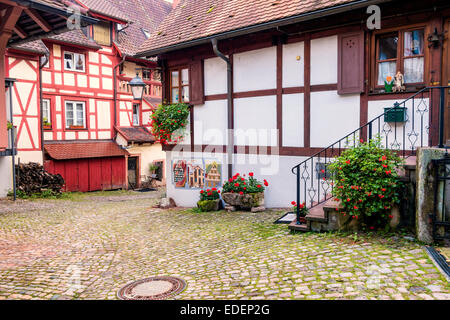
{"x": 82, "y": 150}
{"x": 136, "y": 134}
{"x": 196, "y": 19}
{"x": 76, "y": 37}
{"x": 36, "y": 46}
{"x": 104, "y": 7}
{"x": 154, "y": 102}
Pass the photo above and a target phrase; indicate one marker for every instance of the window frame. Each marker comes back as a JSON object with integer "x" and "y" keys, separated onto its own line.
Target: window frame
{"x": 75, "y": 118}
{"x": 73, "y": 61}
{"x": 180, "y": 85}
{"x": 138, "y": 114}
{"x": 375, "y": 50}
{"x": 49, "y": 112}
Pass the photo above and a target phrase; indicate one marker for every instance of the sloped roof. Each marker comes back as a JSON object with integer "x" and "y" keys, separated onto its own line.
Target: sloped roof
{"x": 36, "y": 46}
{"x": 76, "y": 37}
{"x": 198, "y": 19}
{"x": 153, "y": 101}
{"x": 136, "y": 134}
{"x": 82, "y": 150}
{"x": 104, "y": 7}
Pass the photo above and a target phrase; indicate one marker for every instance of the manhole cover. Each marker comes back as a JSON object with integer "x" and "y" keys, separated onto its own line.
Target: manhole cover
{"x": 154, "y": 288}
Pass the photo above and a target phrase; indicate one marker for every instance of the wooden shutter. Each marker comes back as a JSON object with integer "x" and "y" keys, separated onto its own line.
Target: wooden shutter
{"x": 351, "y": 62}
{"x": 102, "y": 33}
{"x": 196, "y": 92}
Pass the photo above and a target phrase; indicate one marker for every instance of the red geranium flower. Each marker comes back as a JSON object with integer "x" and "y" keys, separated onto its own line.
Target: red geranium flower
{"x": 250, "y": 174}
{"x": 218, "y": 191}
{"x": 241, "y": 193}
{"x": 236, "y": 184}
{"x": 383, "y": 189}
{"x": 258, "y": 186}
{"x": 347, "y": 162}
{"x": 293, "y": 203}
{"x": 213, "y": 189}
{"x": 201, "y": 191}
{"x": 266, "y": 183}
{"x": 355, "y": 207}
{"x": 388, "y": 172}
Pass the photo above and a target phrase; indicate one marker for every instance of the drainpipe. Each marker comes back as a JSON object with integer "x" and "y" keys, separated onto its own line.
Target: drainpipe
{"x": 41, "y": 115}
{"x": 230, "y": 144}
{"x": 115, "y": 88}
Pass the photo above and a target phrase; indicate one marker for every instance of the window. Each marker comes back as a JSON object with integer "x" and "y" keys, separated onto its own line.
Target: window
{"x": 75, "y": 114}
{"x": 146, "y": 33}
{"x": 74, "y": 61}
{"x": 46, "y": 116}
{"x": 400, "y": 51}
{"x": 136, "y": 116}
{"x": 179, "y": 85}
{"x": 156, "y": 75}
{"x": 146, "y": 74}
{"x": 102, "y": 33}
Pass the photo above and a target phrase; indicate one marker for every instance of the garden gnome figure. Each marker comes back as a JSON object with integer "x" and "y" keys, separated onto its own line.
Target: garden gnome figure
{"x": 399, "y": 84}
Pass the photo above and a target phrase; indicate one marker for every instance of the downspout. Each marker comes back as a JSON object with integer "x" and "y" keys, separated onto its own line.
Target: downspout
{"x": 115, "y": 88}
{"x": 41, "y": 115}
{"x": 230, "y": 144}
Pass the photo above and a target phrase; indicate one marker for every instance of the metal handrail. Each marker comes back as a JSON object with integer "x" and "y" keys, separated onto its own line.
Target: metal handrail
{"x": 337, "y": 147}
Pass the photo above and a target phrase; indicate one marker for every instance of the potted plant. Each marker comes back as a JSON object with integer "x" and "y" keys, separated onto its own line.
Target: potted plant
{"x": 303, "y": 210}
{"x": 388, "y": 83}
{"x": 153, "y": 168}
{"x": 209, "y": 200}
{"x": 242, "y": 193}
{"x": 169, "y": 122}
{"x": 46, "y": 124}
{"x": 9, "y": 125}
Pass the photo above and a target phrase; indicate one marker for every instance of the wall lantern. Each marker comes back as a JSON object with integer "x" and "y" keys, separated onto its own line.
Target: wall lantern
{"x": 137, "y": 87}
{"x": 435, "y": 39}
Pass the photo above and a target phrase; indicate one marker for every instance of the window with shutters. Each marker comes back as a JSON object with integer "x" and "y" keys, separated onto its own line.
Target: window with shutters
{"x": 179, "y": 85}
{"x": 102, "y": 33}
{"x": 399, "y": 50}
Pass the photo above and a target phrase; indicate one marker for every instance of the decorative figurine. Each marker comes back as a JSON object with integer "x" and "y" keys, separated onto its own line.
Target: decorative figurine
{"x": 388, "y": 83}
{"x": 399, "y": 83}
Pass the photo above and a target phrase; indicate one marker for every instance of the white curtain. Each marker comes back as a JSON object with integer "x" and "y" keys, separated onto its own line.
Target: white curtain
{"x": 413, "y": 70}
{"x": 386, "y": 69}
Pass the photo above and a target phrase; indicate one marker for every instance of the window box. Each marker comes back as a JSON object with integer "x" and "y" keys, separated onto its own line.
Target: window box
{"x": 396, "y": 114}
{"x": 47, "y": 126}
{"x": 76, "y": 127}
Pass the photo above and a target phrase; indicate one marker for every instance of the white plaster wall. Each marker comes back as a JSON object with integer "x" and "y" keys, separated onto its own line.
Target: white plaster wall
{"x": 6, "y": 176}
{"x": 324, "y": 59}
{"x": 376, "y": 108}
{"x": 148, "y": 153}
{"x": 46, "y": 77}
{"x": 69, "y": 79}
{"x": 332, "y": 116}
{"x": 104, "y": 112}
{"x": 293, "y": 64}
{"x": 29, "y": 156}
{"x": 215, "y": 76}
{"x": 293, "y": 120}
{"x": 255, "y": 121}
{"x": 23, "y": 71}
{"x": 276, "y": 169}
{"x": 210, "y": 120}
{"x": 255, "y": 70}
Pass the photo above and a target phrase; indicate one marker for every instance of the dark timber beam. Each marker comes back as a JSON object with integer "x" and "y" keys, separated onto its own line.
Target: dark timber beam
{"x": 33, "y": 14}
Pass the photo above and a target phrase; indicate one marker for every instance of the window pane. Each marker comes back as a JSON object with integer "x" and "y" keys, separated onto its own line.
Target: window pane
{"x": 69, "y": 114}
{"x": 68, "y": 61}
{"x": 413, "y": 43}
{"x": 80, "y": 114}
{"x": 174, "y": 78}
{"x": 184, "y": 77}
{"x": 175, "y": 97}
{"x": 386, "y": 69}
{"x": 413, "y": 70}
{"x": 388, "y": 48}
{"x": 185, "y": 94}
{"x": 135, "y": 114}
{"x": 79, "y": 62}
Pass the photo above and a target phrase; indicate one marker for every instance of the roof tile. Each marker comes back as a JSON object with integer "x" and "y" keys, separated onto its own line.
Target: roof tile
{"x": 82, "y": 150}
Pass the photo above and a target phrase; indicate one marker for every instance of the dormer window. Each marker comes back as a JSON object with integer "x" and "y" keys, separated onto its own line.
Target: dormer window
{"x": 146, "y": 33}
{"x": 102, "y": 33}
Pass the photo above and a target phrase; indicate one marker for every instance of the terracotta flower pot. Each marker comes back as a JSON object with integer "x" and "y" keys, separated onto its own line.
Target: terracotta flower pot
{"x": 244, "y": 201}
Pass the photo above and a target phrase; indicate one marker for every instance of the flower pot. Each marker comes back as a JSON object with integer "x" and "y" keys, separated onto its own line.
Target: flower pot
{"x": 208, "y": 205}
{"x": 302, "y": 220}
{"x": 245, "y": 201}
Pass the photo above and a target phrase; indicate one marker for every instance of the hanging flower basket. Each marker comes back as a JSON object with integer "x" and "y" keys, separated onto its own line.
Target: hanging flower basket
{"x": 169, "y": 122}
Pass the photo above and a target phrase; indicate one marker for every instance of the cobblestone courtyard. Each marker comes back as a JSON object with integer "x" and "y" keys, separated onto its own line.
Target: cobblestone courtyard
{"x": 89, "y": 247}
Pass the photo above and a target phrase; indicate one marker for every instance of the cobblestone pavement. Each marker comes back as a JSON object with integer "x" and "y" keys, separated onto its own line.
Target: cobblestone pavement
{"x": 89, "y": 248}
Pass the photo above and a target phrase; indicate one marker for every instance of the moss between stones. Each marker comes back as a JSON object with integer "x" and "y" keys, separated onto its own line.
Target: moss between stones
{"x": 208, "y": 205}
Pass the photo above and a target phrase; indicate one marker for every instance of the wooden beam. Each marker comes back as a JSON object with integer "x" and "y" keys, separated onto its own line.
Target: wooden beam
{"x": 33, "y": 14}
{"x": 20, "y": 32}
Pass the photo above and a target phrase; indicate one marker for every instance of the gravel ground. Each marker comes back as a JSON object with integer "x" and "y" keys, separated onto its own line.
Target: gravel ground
{"x": 90, "y": 246}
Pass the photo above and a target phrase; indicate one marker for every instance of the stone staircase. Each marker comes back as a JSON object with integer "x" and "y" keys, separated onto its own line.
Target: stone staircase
{"x": 325, "y": 217}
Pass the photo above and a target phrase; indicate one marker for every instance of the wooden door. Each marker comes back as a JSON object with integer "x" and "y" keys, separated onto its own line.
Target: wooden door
{"x": 132, "y": 172}
{"x": 446, "y": 81}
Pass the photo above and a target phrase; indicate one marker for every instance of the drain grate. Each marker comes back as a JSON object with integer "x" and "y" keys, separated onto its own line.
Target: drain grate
{"x": 153, "y": 288}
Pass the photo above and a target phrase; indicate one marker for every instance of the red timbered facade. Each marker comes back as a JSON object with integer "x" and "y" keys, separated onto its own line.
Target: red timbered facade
{"x": 72, "y": 92}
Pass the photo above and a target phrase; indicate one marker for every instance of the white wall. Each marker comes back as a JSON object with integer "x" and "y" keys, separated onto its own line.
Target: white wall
{"x": 210, "y": 121}
{"x": 255, "y": 70}
{"x": 255, "y": 121}
{"x": 324, "y": 60}
{"x": 293, "y": 120}
{"x": 277, "y": 170}
{"x": 332, "y": 116}
{"x": 293, "y": 64}
{"x": 6, "y": 176}
{"x": 215, "y": 70}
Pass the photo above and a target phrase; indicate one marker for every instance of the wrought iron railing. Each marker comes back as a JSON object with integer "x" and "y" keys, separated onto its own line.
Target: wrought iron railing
{"x": 403, "y": 127}
{"x": 441, "y": 214}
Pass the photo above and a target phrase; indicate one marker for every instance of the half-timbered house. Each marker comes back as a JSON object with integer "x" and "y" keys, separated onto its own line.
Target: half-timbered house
{"x": 288, "y": 78}
{"x": 73, "y": 106}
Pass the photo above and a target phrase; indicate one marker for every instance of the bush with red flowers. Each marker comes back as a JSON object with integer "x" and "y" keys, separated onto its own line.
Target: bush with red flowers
{"x": 241, "y": 185}
{"x": 209, "y": 194}
{"x": 168, "y": 119}
{"x": 366, "y": 183}
{"x": 302, "y": 208}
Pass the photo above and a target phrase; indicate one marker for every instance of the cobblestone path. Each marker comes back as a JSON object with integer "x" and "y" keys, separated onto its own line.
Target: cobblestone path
{"x": 91, "y": 247}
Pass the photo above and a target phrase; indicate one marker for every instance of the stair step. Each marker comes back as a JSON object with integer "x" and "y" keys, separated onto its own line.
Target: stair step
{"x": 410, "y": 163}
{"x": 298, "y": 227}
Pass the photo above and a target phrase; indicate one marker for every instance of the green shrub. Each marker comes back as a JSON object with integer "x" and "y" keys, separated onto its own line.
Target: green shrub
{"x": 366, "y": 182}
